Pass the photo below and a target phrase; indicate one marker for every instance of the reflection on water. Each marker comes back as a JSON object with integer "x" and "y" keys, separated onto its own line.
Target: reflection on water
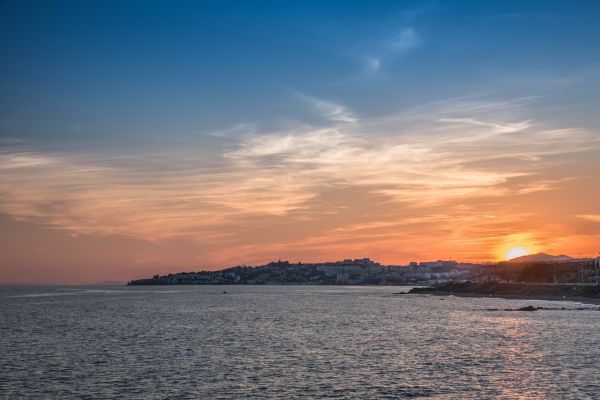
{"x": 289, "y": 342}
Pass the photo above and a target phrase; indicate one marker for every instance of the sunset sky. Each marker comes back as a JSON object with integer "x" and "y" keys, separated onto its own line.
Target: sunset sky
{"x": 143, "y": 137}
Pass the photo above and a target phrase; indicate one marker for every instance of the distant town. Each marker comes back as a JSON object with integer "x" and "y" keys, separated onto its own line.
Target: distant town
{"x": 539, "y": 268}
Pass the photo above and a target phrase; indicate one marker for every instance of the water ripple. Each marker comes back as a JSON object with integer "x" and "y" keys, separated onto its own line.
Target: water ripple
{"x": 290, "y": 342}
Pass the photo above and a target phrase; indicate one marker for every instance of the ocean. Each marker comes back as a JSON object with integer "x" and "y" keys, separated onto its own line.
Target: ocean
{"x": 290, "y": 342}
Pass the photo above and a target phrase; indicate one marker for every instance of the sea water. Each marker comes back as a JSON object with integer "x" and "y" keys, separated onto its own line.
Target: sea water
{"x": 287, "y": 342}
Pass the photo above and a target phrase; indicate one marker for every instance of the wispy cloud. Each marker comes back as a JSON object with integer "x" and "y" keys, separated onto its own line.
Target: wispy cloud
{"x": 423, "y": 159}
{"x": 590, "y": 217}
{"x": 376, "y": 55}
{"x": 234, "y": 130}
{"x": 400, "y": 41}
{"x": 496, "y": 127}
{"x": 329, "y": 110}
{"x": 406, "y": 40}
{"x": 23, "y": 160}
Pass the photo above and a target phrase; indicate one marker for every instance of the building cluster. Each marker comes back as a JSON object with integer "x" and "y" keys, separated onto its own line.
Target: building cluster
{"x": 347, "y": 272}
{"x": 364, "y": 271}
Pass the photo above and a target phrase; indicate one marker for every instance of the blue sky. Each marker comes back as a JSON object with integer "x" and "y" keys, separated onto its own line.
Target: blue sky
{"x": 141, "y": 68}
{"x": 208, "y": 133}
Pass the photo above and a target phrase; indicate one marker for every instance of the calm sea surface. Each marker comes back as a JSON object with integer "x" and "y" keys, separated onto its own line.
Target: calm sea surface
{"x": 196, "y": 342}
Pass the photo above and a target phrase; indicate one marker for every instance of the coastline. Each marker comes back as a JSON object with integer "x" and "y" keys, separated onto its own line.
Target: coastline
{"x": 584, "y": 300}
{"x": 515, "y": 291}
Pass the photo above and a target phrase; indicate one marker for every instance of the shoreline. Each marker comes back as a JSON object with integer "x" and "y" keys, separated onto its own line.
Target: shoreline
{"x": 584, "y": 300}
{"x": 515, "y": 291}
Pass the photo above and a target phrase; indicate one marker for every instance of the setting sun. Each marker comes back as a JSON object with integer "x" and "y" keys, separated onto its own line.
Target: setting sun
{"x": 517, "y": 245}
{"x": 516, "y": 252}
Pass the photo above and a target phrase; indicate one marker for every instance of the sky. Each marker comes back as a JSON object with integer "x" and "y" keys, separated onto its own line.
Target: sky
{"x": 144, "y": 137}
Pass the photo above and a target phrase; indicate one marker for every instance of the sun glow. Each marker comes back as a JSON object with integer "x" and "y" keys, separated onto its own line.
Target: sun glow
{"x": 517, "y": 245}
{"x": 516, "y": 252}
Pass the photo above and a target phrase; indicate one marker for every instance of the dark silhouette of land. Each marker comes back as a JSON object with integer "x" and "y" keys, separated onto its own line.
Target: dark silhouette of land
{"x": 535, "y": 276}
{"x": 559, "y": 291}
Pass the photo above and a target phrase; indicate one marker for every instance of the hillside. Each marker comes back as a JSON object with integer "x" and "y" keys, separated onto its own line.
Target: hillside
{"x": 539, "y": 257}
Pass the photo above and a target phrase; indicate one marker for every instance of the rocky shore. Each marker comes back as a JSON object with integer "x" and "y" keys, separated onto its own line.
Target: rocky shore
{"x": 588, "y": 293}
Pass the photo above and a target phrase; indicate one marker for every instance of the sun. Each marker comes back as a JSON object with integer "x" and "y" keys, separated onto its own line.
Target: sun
{"x": 515, "y": 252}
{"x": 516, "y": 245}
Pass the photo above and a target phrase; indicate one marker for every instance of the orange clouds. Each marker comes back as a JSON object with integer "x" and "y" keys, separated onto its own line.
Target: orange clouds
{"x": 452, "y": 178}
